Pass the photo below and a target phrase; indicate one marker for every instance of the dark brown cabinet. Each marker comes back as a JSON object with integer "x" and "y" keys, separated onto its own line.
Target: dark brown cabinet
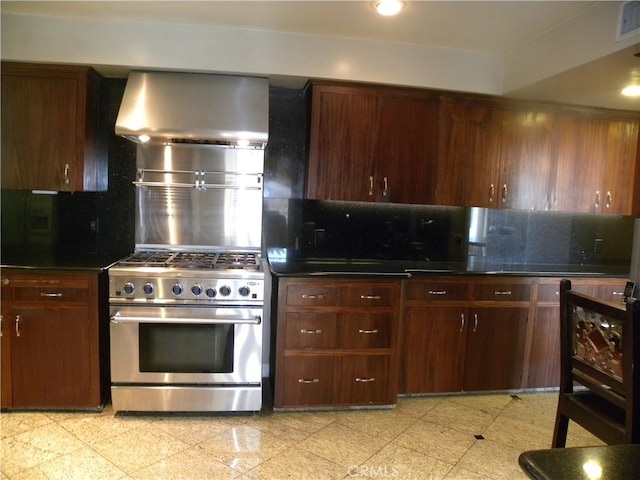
{"x": 463, "y": 335}
{"x": 494, "y": 155}
{"x": 336, "y": 342}
{"x": 372, "y": 144}
{"x": 50, "y": 340}
{"x": 51, "y": 138}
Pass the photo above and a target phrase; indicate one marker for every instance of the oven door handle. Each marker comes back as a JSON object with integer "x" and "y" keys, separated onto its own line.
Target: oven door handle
{"x": 117, "y": 318}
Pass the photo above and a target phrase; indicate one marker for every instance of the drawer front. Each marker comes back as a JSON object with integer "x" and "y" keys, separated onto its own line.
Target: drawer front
{"x": 52, "y": 294}
{"x": 502, "y": 292}
{"x": 362, "y": 380}
{"x": 437, "y": 291}
{"x": 312, "y": 295}
{"x": 310, "y": 330}
{"x": 370, "y": 296}
{"x": 308, "y": 380}
{"x": 361, "y": 330}
{"x": 549, "y": 293}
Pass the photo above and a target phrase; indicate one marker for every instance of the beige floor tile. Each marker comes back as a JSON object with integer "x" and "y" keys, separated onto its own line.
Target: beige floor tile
{"x": 297, "y": 464}
{"x": 292, "y": 426}
{"x": 13, "y": 423}
{"x": 197, "y": 429}
{"x": 438, "y": 441}
{"x": 459, "y": 473}
{"x": 189, "y": 464}
{"x": 535, "y": 407}
{"x": 34, "y": 447}
{"x": 139, "y": 447}
{"x": 416, "y": 406}
{"x": 92, "y": 428}
{"x": 492, "y": 404}
{"x": 520, "y": 434}
{"x": 342, "y": 445}
{"x": 493, "y": 460}
{"x": 243, "y": 448}
{"x": 400, "y": 463}
{"x": 386, "y": 424}
{"x": 81, "y": 464}
{"x": 461, "y": 416}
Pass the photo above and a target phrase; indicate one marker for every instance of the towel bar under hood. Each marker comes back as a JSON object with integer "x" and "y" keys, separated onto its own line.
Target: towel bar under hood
{"x": 171, "y": 107}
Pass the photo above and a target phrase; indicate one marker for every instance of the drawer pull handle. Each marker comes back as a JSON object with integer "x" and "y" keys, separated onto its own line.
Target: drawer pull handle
{"x": 308, "y": 380}
{"x": 461, "y": 322}
{"x": 617, "y": 293}
{"x": 17, "y": 325}
{"x": 475, "y": 322}
{"x": 370, "y": 297}
{"x": 51, "y": 294}
{"x": 0, "y": 325}
{"x": 502, "y": 292}
{"x": 437, "y": 292}
{"x": 305, "y": 330}
{"x": 313, "y": 297}
{"x": 368, "y": 332}
{"x": 366, "y": 380}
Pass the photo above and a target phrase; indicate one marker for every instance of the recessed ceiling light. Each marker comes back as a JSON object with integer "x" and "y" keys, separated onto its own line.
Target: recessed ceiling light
{"x": 633, "y": 89}
{"x": 389, "y": 7}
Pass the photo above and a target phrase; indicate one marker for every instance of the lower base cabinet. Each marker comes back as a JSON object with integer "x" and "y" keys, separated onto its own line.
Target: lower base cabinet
{"x": 336, "y": 343}
{"x": 51, "y": 341}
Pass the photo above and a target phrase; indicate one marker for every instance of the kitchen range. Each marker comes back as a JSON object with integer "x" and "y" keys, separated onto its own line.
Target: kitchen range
{"x": 187, "y": 308}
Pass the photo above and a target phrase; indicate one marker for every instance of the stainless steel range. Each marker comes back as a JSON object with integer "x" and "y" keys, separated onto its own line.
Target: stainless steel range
{"x": 187, "y": 308}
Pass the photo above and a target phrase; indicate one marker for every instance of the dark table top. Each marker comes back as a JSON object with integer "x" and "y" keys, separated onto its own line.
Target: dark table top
{"x": 610, "y": 462}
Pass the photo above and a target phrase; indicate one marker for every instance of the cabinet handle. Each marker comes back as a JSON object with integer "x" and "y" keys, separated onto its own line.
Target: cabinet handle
{"x": 371, "y": 186}
{"x": 308, "y": 380}
{"x": 304, "y": 330}
{"x": 51, "y": 294}
{"x": 366, "y": 380}
{"x": 370, "y": 297}
{"x": 608, "y": 205}
{"x": 17, "y": 325}
{"x": 368, "y": 332}
{"x": 0, "y": 325}
{"x": 502, "y": 292}
{"x": 313, "y": 297}
{"x": 461, "y": 322}
{"x": 597, "y": 199}
{"x": 617, "y": 294}
{"x": 475, "y": 322}
{"x": 386, "y": 186}
{"x": 504, "y": 193}
{"x": 492, "y": 191}
{"x": 66, "y": 174}
{"x": 437, "y": 292}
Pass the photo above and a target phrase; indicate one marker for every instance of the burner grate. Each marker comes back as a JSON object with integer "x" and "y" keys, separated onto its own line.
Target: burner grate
{"x": 194, "y": 260}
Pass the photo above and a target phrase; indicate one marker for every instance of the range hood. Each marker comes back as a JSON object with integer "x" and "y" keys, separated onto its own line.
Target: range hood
{"x": 170, "y": 107}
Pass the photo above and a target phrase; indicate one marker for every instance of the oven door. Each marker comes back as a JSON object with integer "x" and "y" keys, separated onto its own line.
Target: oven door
{"x": 185, "y": 345}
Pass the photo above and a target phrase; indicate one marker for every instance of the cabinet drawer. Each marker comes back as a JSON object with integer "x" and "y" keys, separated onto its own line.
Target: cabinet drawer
{"x": 363, "y": 379}
{"x": 549, "y": 293}
{"x": 365, "y": 330}
{"x": 310, "y": 330}
{"x": 312, "y": 295}
{"x": 52, "y": 294}
{"x": 502, "y": 292}
{"x": 308, "y": 380}
{"x": 437, "y": 291}
{"x": 370, "y": 296}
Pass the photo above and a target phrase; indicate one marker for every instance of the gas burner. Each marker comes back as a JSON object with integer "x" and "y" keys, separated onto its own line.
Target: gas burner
{"x": 193, "y": 260}
{"x": 148, "y": 259}
{"x": 236, "y": 260}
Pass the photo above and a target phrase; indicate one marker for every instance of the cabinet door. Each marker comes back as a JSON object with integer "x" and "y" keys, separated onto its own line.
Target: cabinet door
{"x": 433, "y": 349}
{"x": 5, "y": 353}
{"x": 544, "y": 361}
{"x": 468, "y": 165}
{"x": 49, "y": 352}
{"x": 363, "y": 380}
{"x": 495, "y": 348}
{"x": 406, "y": 154}
{"x": 527, "y": 158}
{"x": 596, "y": 164}
{"x": 343, "y": 139}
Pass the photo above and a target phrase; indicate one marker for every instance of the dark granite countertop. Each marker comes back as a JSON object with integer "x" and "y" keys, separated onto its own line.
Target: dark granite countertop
{"x": 49, "y": 261}
{"x": 619, "y": 462}
{"x": 288, "y": 264}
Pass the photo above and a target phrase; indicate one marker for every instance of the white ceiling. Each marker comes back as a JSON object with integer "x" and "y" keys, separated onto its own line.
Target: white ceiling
{"x": 493, "y": 27}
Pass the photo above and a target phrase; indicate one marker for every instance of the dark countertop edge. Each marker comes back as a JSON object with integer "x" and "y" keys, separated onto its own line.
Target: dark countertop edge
{"x": 76, "y": 263}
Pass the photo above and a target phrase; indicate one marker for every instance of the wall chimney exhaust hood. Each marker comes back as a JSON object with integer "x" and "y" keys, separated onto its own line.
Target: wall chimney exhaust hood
{"x": 169, "y": 107}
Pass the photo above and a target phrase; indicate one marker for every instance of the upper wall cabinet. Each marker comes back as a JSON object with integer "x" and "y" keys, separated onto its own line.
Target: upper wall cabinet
{"x": 50, "y": 134}
{"x": 494, "y": 155}
{"x": 374, "y": 144}
{"x": 597, "y": 162}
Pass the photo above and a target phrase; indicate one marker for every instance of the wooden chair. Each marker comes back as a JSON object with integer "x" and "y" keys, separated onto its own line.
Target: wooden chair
{"x": 600, "y": 368}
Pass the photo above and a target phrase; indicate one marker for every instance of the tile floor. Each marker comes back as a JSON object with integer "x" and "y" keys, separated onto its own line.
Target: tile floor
{"x": 472, "y": 437}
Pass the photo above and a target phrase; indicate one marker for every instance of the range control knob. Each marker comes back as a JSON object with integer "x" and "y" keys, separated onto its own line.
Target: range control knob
{"x": 196, "y": 290}
{"x": 147, "y": 288}
{"x": 244, "y": 291}
{"x": 128, "y": 288}
{"x": 211, "y": 292}
{"x": 177, "y": 289}
{"x": 225, "y": 291}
